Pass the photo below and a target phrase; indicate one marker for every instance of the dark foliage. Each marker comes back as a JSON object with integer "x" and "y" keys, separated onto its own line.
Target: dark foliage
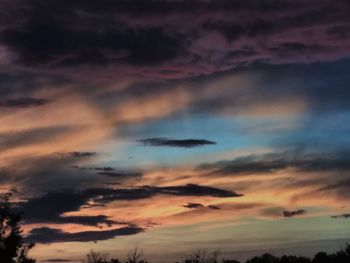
{"x": 13, "y": 247}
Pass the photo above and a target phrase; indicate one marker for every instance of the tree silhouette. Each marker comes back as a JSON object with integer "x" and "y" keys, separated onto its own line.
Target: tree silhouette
{"x": 294, "y": 259}
{"x": 13, "y": 247}
{"x": 266, "y": 258}
{"x": 99, "y": 257}
{"x": 322, "y": 257}
{"x": 96, "y": 257}
{"x": 135, "y": 255}
{"x": 203, "y": 256}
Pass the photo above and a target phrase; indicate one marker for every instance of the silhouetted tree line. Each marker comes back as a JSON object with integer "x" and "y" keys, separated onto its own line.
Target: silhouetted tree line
{"x": 202, "y": 256}
{"x": 14, "y": 248}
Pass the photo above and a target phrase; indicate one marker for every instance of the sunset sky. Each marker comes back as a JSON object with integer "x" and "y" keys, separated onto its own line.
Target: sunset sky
{"x": 175, "y": 125}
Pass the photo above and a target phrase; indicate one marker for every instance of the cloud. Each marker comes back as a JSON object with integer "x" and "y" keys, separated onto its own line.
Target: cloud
{"x": 108, "y": 195}
{"x": 298, "y": 174}
{"x": 45, "y": 235}
{"x": 57, "y": 260}
{"x": 120, "y": 174}
{"x": 82, "y": 220}
{"x": 215, "y": 207}
{"x": 198, "y": 205}
{"x": 196, "y": 190}
{"x": 187, "y": 143}
{"x": 151, "y": 39}
{"x": 293, "y": 213}
{"x": 82, "y": 154}
{"x": 341, "y": 216}
{"x": 18, "y": 87}
{"x": 22, "y": 102}
{"x": 37, "y": 175}
{"x": 14, "y": 139}
{"x": 339, "y": 31}
{"x": 104, "y": 169}
{"x": 50, "y": 207}
{"x": 340, "y": 187}
{"x": 111, "y": 172}
{"x": 269, "y": 163}
{"x": 193, "y": 205}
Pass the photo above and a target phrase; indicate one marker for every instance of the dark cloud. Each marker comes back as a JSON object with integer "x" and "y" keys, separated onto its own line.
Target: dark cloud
{"x": 215, "y": 207}
{"x": 143, "y": 192}
{"x": 86, "y": 220}
{"x": 22, "y": 102}
{"x": 48, "y": 36}
{"x": 18, "y": 88}
{"x": 293, "y": 213}
{"x": 326, "y": 172}
{"x": 57, "y": 260}
{"x": 298, "y": 48}
{"x": 120, "y": 174}
{"x": 198, "y": 205}
{"x": 50, "y": 207}
{"x": 188, "y": 143}
{"x": 195, "y": 190}
{"x": 193, "y": 205}
{"x": 342, "y": 216}
{"x": 45, "y": 235}
{"x": 10, "y": 140}
{"x": 268, "y": 163}
{"x": 340, "y": 187}
{"x": 111, "y": 172}
{"x": 104, "y": 169}
{"x": 148, "y": 46}
{"x": 151, "y": 37}
{"x": 35, "y": 176}
{"x": 340, "y": 31}
{"x": 55, "y": 204}
{"x": 82, "y": 154}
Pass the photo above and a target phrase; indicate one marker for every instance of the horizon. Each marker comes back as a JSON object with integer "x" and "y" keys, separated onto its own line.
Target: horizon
{"x": 221, "y": 255}
{"x": 176, "y": 125}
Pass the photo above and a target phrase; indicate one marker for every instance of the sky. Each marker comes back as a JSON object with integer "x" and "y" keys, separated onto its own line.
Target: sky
{"x": 176, "y": 125}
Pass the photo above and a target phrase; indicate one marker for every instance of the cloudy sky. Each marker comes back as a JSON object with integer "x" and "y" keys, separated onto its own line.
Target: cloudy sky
{"x": 174, "y": 125}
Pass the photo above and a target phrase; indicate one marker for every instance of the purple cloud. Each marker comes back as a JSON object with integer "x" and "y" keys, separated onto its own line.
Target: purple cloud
{"x": 152, "y": 39}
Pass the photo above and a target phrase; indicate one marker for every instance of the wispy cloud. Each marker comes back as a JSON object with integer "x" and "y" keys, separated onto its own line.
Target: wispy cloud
{"x": 293, "y": 213}
{"x": 185, "y": 143}
{"x": 57, "y": 260}
{"x": 193, "y": 205}
{"x": 345, "y": 216}
{"x": 22, "y": 102}
{"x": 50, "y": 235}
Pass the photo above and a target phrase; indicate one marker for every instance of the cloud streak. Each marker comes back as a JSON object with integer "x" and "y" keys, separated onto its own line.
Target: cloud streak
{"x": 293, "y": 213}
{"x": 186, "y": 143}
{"x": 22, "y": 103}
{"x": 269, "y": 163}
{"x": 45, "y": 235}
{"x": 193, "y": 205}
{"x": 344, "y": 216}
